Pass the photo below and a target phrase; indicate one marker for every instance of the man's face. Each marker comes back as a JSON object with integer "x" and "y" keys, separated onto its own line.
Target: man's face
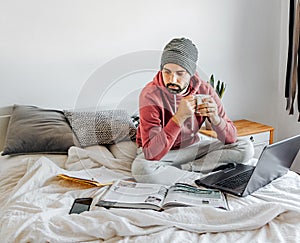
{"x": 176, "y": 78}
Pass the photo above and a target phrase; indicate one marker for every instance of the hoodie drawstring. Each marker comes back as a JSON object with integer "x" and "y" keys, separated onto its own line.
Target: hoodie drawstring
{"x": 175, "y": 103}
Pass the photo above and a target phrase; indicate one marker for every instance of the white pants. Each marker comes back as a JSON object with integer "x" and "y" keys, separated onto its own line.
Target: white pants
{"x": 190, "y": 162}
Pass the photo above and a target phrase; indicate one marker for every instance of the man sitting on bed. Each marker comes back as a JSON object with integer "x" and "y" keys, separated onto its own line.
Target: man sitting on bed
{"x": 170, "y": 149}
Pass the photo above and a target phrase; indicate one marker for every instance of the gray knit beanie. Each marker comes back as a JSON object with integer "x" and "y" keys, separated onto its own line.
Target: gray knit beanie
{"x": 182, "y": 52}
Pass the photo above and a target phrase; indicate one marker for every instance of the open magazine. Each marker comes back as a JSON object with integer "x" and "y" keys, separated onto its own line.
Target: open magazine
{"x": 128, "y": 194}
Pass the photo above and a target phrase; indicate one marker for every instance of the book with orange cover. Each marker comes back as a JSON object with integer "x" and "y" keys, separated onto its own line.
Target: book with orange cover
{"x": 97, "y": 177}
{"x": 84, "y": 181}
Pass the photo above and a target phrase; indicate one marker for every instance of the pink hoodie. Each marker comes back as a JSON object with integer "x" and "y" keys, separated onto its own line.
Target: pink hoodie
{"x": 157, "y": 133}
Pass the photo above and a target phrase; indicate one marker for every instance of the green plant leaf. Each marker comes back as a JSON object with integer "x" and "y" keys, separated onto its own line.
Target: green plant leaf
{"x": 222, "y": 91}
{"x": 212, "y": 81}
{"x": 218, "y": 87}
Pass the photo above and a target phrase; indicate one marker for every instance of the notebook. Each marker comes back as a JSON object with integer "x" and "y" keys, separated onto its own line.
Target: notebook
{"x": 242, "y": 180}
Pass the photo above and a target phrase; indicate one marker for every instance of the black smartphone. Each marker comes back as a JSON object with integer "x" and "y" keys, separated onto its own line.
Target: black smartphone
{"x": 81, "y": 204}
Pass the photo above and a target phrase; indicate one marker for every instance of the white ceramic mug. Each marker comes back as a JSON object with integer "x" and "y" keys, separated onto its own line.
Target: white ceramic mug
{"x": 199, "y": 98}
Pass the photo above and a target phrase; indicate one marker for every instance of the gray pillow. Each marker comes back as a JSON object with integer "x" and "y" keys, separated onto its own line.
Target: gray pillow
{"x": 101, "y": 127}
{"x": 35, "y": 130}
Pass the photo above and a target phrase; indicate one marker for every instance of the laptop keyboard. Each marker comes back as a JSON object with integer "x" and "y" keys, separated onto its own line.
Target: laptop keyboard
{"x": 236, "y": 181}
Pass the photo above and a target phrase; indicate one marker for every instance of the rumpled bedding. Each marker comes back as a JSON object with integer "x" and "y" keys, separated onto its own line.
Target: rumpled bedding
{"x": 35, "y": 206}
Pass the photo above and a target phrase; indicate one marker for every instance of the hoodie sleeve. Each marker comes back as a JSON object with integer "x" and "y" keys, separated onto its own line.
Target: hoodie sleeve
{"x": 157, "y": 139}
{"x": 226, "y": 131}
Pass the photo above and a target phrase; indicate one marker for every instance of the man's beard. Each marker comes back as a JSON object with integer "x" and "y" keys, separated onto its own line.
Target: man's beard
{"x": 175, "y": 88}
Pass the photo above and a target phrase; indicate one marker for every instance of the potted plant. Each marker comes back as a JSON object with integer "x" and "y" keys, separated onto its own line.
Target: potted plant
{"x": 220, "y": 87}
{"x": 220, "y": 90}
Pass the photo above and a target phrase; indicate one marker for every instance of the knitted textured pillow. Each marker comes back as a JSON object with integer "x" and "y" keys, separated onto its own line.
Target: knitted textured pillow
{"x": 101, "y": 127}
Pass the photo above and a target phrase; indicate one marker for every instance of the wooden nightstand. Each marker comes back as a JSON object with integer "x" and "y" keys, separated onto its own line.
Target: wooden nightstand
{"x": 258, "y": 133}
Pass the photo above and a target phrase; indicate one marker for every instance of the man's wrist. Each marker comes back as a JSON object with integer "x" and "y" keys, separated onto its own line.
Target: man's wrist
{"x": 216, "y": 120}
{"x": 177, "y": 120}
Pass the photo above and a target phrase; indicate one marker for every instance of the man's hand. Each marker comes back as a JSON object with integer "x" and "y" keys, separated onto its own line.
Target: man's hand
{"x": 185, "y": 110}
{"x": 209, "y": 108}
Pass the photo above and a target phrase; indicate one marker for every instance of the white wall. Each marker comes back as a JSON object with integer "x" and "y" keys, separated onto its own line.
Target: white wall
{"x": 66, "y": 53}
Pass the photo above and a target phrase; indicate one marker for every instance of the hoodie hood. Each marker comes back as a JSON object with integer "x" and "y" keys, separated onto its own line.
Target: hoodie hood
{"x": 159, "y": 95}
{"x": 194, "y": 85}
{"x": 158, "y": 86}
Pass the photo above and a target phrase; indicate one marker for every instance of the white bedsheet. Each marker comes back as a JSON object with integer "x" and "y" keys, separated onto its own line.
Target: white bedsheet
{"x": 35, "y": 206}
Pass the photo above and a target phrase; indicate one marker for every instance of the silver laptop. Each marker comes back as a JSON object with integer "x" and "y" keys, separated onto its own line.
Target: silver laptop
{"x": 242, "y": 180}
